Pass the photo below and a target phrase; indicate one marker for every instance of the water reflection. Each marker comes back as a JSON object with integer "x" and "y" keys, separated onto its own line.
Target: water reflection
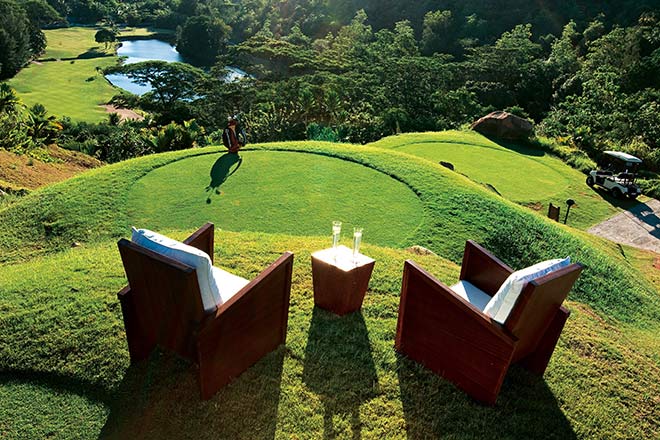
{"x": 137, "y": 51}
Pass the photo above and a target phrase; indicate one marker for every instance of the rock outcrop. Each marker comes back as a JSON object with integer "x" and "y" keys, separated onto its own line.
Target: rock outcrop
{"x": 504, "y": 125}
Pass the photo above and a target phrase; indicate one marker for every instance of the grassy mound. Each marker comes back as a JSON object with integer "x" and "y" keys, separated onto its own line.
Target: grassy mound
{"x": 524, "y": 175}
{"x": 96, "y": 206}
{"x": 336, "y": 377}
{"x": 61, "y": 332}
{"x": 271, "y": 191}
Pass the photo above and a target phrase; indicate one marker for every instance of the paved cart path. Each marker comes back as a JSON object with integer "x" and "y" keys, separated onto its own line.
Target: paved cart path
{"x": 638, "y": 227}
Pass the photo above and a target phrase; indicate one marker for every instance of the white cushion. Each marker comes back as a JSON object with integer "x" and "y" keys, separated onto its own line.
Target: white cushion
{"x": 471, "y": 294}
{"x": 226, "y": 284}
{"x": 185, "y": 254}
{"x": 502, "y": 303}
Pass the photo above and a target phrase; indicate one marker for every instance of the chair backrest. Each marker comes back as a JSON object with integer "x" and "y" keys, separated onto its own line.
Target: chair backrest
{"x": 167, "y": 294}
{"x": 537, "y": 305}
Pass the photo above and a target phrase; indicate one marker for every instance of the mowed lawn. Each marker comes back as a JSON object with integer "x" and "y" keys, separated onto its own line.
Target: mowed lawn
{"x": 74, "y": 42}
{"x": 276, "y": 191}
{"x": 524, "y": 175}
{"x": 64, "y": 370}
{"x": 65, "y": 79}
{"x": 67, "y": 88}
{"x": 143, "y": 31}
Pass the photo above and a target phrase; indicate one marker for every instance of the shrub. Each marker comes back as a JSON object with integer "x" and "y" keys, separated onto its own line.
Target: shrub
{"x": 650, "y": 187}
{"x": 317, "y": 132}
{"x": 571, "y": 154}
{"x": 175, "y": 136}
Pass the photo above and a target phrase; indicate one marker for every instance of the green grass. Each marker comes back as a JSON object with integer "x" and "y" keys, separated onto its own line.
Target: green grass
{"x": 300, "y": 194}
{"x": 143, "y": 32}
{"x": 61, "y": 333}
{"x": 74, "y": 42}
{"x": 37, "y": 409}
{"x": 67, "y": 88}
{"x": 70, "y": 86}
{"x": 525, "y": 175}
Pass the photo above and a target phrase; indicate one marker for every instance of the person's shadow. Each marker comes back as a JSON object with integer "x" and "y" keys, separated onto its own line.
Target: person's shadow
{"x": 339, "y": 367}
{"x": 225, "y": 166}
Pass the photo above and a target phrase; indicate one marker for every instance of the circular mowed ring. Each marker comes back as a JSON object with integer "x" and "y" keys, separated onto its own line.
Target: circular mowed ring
{"x": 275, "y": 192}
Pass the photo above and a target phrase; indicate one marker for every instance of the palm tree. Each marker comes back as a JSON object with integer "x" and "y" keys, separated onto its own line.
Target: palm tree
{"x": 43, "y": 129}
{"x": 9, "y": 100}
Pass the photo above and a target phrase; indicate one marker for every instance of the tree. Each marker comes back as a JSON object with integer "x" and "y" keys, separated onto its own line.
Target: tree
{"x": 43, "y": 129}
{"x": 15, "y": 31}
{"x": 202, "y": 39}
{"x": 438, "y": 33}
{"x": 510, "y": 72}
{"x": 41, "y": 13}
{"x": 9, "y": 101}
{"x": 170, "y": 82}
{"x": 105, "y": 36}
{"x": 563, "y": 62}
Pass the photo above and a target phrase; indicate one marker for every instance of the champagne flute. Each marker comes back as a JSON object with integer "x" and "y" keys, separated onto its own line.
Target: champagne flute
{"x": 336, "y": 231}
{"x": 357, "y": 239}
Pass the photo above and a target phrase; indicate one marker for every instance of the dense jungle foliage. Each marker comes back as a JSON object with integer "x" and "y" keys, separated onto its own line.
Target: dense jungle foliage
{"x": 588, "y": 73}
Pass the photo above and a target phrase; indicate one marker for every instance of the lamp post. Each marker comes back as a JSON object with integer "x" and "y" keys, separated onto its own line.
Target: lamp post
{"x": 569, "y": 203}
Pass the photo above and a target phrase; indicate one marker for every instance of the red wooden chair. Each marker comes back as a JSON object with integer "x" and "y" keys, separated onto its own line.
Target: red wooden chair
{"x": 162, "y": 306}
{"x": 455, "y": 339}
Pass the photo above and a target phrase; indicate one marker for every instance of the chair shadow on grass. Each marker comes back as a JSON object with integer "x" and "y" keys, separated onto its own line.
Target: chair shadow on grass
{"x": 222, "y": 169}
{"x": 435, "y": 408}
{"x": 339, "y": 368}
{"x": 159, "y": 399}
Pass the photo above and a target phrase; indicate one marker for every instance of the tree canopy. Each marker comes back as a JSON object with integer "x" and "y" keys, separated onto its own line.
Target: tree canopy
{"x": 15, "y": 42}
{"x": 105, "y": 36}
{"x": 202, "y": 38}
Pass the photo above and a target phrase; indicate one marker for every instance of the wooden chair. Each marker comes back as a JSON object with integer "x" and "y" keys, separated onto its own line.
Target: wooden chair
{"x": 454, "y": 339}
{"x": 162, "y": 306}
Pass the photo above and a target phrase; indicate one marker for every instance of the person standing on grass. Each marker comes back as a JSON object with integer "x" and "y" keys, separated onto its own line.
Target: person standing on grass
{"x": 233, "y": 137}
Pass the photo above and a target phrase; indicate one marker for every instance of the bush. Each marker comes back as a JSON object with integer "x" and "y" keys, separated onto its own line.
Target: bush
{"x": 175, "y": 136}
{"x": 273, "y": 123}
{"x": 650, "y": 187}
{"x": 317, "y": 132}
{"x": 571, "y": 154}
{"x": 109, "y": 143}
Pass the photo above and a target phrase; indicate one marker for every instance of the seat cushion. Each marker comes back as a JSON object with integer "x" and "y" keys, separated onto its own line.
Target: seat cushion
{"x": 471, "y": 294}
{"x": 502, "y": 303}
{"x": 187, "y": 255}
{"x": 226, "y": 284}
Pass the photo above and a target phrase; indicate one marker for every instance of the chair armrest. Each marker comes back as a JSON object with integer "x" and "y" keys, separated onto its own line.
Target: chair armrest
{"x": 483, "y": 269}
{"x": 202, "y": 239}
{"x": 450, "y": 336}
{"x": 440, "y": 299}
{"x": 245, "y": 328}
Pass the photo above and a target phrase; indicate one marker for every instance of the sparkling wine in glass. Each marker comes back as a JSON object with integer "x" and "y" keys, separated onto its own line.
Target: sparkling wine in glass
{"x": 357, "y": 239}
{"x": 336, "y": 231}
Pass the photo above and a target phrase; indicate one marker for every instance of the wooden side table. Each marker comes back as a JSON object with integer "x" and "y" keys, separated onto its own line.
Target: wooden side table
{"x": 339, "y": 282}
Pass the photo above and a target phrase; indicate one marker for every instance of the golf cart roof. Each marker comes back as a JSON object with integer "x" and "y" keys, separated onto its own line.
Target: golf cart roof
{"x": 623, "y": 156}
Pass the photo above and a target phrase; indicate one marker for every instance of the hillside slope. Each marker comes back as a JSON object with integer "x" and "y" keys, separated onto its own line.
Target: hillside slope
{"x": 61, "y": 329}
{"x": 22, "y": 171}
{"x": 522, "y": 174}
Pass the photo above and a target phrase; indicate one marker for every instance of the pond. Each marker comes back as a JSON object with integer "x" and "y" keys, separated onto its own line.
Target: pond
{"x": 137, "y": 51}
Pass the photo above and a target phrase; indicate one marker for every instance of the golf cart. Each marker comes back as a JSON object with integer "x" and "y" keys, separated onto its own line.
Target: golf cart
{"x": 616, "y": 174}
